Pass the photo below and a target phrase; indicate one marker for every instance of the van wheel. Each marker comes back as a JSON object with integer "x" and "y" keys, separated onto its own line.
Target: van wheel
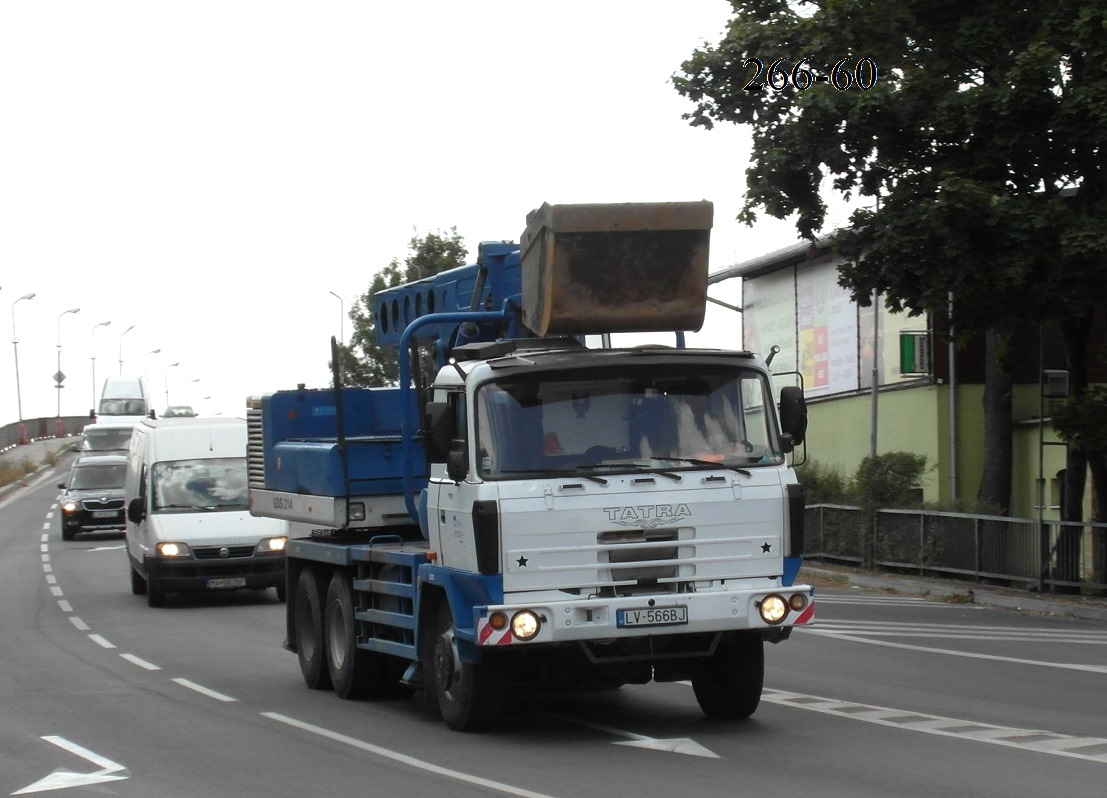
{"x": 308, "y": 617}
{"x": 138, "y": 584}
{"x": 155, "y": 596}
{"x": 355, "y": 672}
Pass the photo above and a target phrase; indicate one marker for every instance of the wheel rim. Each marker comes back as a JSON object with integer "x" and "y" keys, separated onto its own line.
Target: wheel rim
{"x": 447, "y": 665}
{"x": 336, "y": 634}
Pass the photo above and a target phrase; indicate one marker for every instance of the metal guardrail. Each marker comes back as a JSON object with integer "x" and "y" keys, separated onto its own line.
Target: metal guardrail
{"x": 1051, "y": 555}
{"x": 39, "y": 428}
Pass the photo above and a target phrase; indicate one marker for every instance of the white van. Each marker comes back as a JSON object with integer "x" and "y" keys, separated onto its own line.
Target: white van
{"x": 188, "y": 526}
{"x": 123, "y": 400}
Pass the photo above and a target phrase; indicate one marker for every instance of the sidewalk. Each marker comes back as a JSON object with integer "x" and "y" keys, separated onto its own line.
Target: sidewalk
{"x": 827, "y": 576}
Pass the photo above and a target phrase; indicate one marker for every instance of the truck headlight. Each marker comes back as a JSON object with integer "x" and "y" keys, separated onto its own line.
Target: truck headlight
{"x": 773, "y": 609}
{"x": 270, "y": 545}
{"x": 525, "y": 624}
{"x": 173, "y": 550}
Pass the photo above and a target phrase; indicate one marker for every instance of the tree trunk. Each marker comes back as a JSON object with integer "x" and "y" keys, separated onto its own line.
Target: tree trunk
{"x": 1076, "y": 331}
{"x": 995, "y": 482}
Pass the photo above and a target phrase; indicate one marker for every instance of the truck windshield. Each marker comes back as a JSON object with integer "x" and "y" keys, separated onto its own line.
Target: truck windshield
{"x": 597, "y": 422}
{"x": 208, "y": 484}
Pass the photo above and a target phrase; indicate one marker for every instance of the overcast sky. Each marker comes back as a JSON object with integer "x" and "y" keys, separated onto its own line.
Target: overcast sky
{"x": 210, "y": 172}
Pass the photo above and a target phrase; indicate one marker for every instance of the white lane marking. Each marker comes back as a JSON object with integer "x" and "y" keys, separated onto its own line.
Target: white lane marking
{"x": 955, "y": 632}
{"x": 1072, "y": 666}
{"x": 51, "y": 579}
{"x": 1044, "y": 742}
{"x": 410, "y": 761}
{"x": 46, "y": 558}
{"x": 45, "y": 538}
{"x": 57, "y": 591}
{"x": 203, "y": 690}
{"x": 64, "y": 606}
{"x": 64, "y": 779}
{"x": 47, "y": 568}
{"x": 101, "y": 641}
{"x": 107, "y": 548}
{"x": 140, "y": 662}
{"x": 675, "y": 745}
{"x": 44, "y": 547}
{"x": 84, "y": 627}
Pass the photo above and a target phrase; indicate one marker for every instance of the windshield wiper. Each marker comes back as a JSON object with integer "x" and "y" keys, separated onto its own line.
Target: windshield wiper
{"x": 557, "y": 472}
{"x": 709, "y": 463}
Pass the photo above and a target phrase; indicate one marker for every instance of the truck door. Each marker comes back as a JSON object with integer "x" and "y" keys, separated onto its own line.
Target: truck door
{"x": 449, "y": 504}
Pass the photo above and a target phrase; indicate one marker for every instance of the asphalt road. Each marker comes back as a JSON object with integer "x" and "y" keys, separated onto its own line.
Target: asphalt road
{"x": 886, "y": 695}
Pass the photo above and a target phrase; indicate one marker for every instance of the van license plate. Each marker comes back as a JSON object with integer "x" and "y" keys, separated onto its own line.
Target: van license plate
{"x": 227, "y": 583}
{"x": 652, "y": 616}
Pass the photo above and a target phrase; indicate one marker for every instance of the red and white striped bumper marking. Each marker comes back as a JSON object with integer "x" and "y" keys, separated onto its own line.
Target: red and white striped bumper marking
{"x": 807, "y": 616}
{"x": 487, "y": 636}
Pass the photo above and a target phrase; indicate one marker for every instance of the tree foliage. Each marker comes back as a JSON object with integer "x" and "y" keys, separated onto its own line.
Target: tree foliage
{"x": 365, "y": 363}
{"x": 977, "y": 158}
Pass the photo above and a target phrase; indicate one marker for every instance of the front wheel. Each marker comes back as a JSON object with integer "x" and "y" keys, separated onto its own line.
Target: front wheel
{"x": 728, "y": 684}
{"x": 308, "y": 633}
{"x": 469, "y": 694}
{"x": 138, "y": 584}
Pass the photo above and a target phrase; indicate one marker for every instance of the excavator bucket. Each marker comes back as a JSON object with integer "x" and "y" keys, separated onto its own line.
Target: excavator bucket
{"x": 631, "y": 267}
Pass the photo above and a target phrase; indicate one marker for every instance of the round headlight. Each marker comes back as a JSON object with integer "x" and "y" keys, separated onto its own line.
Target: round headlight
{"x": 773, "y": 609}
{"x": 525, "y": 624}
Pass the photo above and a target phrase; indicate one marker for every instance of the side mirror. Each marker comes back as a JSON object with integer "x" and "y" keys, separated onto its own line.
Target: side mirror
{"x": 438, "y": 431}
{"x": 793, "y": 413}
{"x": 61, "y": 485}
{"x": 153, "y": 414}
{"x": 136, "y": 510}
{"x": 457, "y": 462}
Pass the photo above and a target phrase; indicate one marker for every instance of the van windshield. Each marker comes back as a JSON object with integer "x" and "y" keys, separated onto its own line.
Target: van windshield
{"x": 208, "y": 484}
{"x": 122, "y": 407}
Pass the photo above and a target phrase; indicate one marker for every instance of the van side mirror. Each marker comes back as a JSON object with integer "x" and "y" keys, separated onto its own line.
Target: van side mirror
{"x": 136, "y": 510}
{"x": 438, "y": 431}
{"x": 793, "y": 413}
{"x": 153, "y": 414}
{"x": 457, "y": 461}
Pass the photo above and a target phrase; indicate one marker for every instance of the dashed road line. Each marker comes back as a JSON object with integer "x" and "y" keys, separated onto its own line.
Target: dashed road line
{"x": 1045, "y": 742}
{"x": 81, "y": 625}
{"x": 101, "y": 641}
{"x": 204, "y": 690}
{"x": 140, "y": 662}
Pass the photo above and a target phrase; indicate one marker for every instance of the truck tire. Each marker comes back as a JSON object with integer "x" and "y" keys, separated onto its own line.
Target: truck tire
{"x": 354, "y": 672}
{"x": 728, "y": 684}
{"x": 469, "y": 695}
{"x": 308, "y": 618}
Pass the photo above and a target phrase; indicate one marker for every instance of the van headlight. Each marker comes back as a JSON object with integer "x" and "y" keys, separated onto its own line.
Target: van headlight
{"x": 271, "y": 545}
{"x": 170, "y": 549}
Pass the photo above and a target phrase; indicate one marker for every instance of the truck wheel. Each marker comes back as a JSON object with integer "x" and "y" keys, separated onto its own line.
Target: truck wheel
{"x": 469, "y": 695}
{"x": 138, "y": 584}
{"x": 728, "y": 685}
{"x": 354, "y": 672}
{"x": 309, "y": 632}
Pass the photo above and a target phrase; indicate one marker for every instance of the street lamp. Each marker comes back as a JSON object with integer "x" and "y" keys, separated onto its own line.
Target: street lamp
{"x": 59, "y": 377}
{"x": 15, "y": 350}
{"x": 171, "y": 365}
{"x": 341, "y": 318}
{"x": 93, "y": 336}
{"x": 121, "y": 346}
{"x": 146, "y": 363}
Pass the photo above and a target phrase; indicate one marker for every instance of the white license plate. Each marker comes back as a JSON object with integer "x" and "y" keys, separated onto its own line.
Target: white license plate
{"x": 226, "y": 583}
{"x": 652, "y": 616}
{"x": 105, "y": 513}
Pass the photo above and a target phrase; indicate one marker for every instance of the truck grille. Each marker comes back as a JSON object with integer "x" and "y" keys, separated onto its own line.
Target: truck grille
{"x": 631, "y": 560}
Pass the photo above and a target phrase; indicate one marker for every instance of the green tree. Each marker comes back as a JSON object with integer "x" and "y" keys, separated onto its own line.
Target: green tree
{"x": 364, "y": 362}
{"x": 978, "y": 150}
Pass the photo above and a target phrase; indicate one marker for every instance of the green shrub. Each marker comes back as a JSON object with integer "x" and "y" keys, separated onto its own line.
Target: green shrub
{"x": 890, "y": 480}
{"x": 824, "y": 484}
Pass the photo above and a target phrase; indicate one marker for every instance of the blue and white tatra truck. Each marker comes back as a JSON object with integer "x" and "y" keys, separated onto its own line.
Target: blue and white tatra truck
{"x": 531, "y": 506}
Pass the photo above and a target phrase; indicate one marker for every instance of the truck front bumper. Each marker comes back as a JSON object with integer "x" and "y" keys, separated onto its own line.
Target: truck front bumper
{"x": 640, "y": 616}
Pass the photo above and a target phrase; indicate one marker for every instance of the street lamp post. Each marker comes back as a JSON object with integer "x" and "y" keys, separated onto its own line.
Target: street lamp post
{"x": 59, "y": 377}
{"x": 121, "y": 346}
{"x": 18, "y": 395}
{"x": 171, "y": 365}
{"x": 146, "y": 363}
{"x": 341, "y": 318}
{"x": 92, "y": 412}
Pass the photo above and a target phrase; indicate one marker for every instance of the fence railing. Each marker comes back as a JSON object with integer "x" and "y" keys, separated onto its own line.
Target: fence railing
{"x": 38, "y": 428}
{"x": 1050, "y": 555}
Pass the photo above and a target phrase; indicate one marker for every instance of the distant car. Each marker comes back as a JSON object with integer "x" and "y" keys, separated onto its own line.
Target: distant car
{"x": 93, "y": 500}
{"x": 178, "y": 411}
{"x": 106, "y": 438}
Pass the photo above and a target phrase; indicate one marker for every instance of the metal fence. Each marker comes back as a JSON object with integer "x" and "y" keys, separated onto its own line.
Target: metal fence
{"x": 1051, "y": 555}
